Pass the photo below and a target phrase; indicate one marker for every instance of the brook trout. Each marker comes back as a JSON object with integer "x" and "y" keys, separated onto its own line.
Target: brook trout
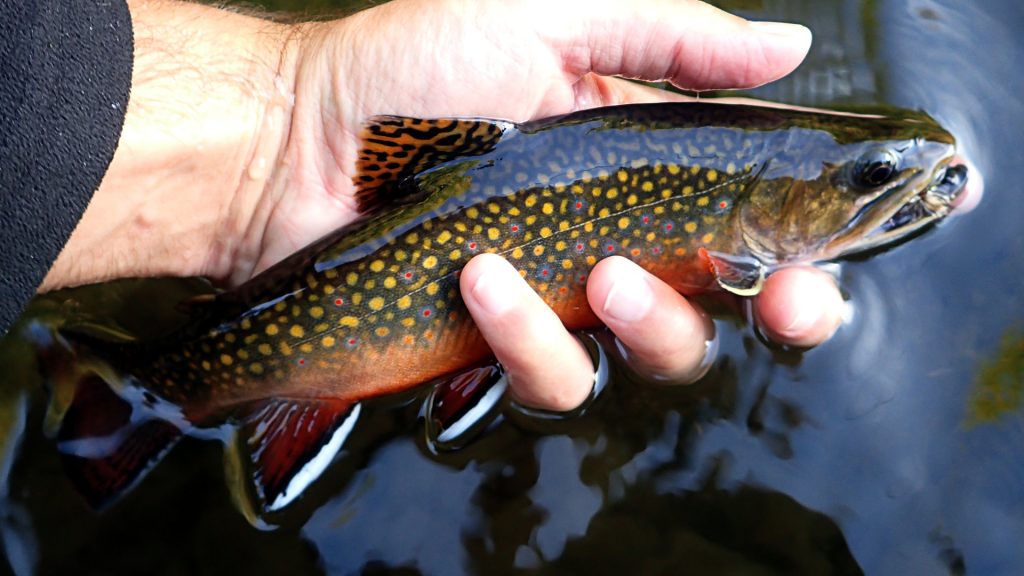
{"x": 706, "y": 196}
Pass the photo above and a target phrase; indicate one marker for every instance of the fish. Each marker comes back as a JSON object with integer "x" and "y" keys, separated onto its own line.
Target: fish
{"x": 707, "y": 196}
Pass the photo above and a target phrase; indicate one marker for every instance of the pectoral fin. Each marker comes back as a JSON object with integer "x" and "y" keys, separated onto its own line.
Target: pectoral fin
{"x": 741, "y": 275}
{"x": 289, "y": 442}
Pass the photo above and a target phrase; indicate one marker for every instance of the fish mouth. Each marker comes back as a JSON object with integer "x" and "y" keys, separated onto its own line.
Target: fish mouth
{"x": 933, "y": 203}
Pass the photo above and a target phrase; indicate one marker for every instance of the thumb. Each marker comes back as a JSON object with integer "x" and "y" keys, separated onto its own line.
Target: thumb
{"x": 691, "y": 44}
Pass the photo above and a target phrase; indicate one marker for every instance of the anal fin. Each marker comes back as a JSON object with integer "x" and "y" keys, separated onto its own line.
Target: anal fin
{"x": 289, "y": 442}
{"x": 104, "y": 450}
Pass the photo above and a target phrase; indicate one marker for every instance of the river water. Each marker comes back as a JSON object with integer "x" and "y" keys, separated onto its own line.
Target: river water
{"x": 895, "y": 448}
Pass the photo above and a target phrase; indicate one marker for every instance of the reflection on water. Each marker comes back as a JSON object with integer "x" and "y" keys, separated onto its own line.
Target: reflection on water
{"x": 897, "y": 447}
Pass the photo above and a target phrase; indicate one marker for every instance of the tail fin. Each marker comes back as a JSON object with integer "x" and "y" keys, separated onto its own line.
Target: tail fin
{"x": 107, "y": 443}
{"x": 106, "y": 449}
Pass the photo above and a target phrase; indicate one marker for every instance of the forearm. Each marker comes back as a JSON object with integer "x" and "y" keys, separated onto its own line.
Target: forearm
{"x": 208, "y": 114}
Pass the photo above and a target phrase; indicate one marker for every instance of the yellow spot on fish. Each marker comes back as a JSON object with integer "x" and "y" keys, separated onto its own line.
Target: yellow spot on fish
{"x": 376, "y": 303}
{"x": 712, "y": 175}
{"x": 430, "y": 262}
{"x": 404, "y": 302}
{"x": 351, "y": 278}
{"x": 349, "y": 321}
{"x": 271, "y": 329}
{"x": 517, "y": 253}
{"x": 538, "y": 250}
{"x": 530, "y": 201}
{"x": 455, "y": 254}
{"x": 306, "y": 347}
{"x": 622, "y": 175}
{"x": 408, "y": 322}
{"x": 285, "y": 348}
{"x": 382, "y": 331}
{"x": 390, "y": 282}
{"x": 690, "y": 227}
{"x": 327, "y": 341}
{"x": 243, "y": 354}
{"x": 493, "y": 233}
{"x": 206, "y": 365}
{"x": 567, "y": 264}
{"x": 623, "y": 223}
{"x": 493, "y": 207}
{"x": 707, "y": 238}
{"x": 401, "y": 255}
{"x": 265, "y": 349}
{"x": 545, "y": 232}
{"x": 246, "y": 324}
{"x": 444, "y": 236}
{"x": 330, "y": 274}
{"x": 432, "y": 288}
{"x": 226, "y": 360}
{"x": 357, "y": 298}
{"x": 612, "y": 193}
{"x": 673, "y": 169}
{"x": 702, "y": 201}
{"x": 256, "y": 368}
{"x": 316, "y": 311}
{"x": 548, "y": 208}
{"x": 296, "y": 331}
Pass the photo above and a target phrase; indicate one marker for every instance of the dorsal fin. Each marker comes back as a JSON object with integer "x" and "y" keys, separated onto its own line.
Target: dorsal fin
{"x": 395, "y": 148}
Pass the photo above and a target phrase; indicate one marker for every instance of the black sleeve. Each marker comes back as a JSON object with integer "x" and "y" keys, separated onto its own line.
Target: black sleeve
{"x": 65, "y": 73}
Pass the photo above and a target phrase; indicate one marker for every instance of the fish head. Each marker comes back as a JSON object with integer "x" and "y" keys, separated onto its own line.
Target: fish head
{"x": 845, "y": 184}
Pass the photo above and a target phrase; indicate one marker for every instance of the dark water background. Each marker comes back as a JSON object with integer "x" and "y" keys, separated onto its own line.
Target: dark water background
{"x": 895, "y": 448}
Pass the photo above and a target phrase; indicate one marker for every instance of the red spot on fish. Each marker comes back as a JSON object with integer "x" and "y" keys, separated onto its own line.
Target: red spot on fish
{"x": 545, "y": 272}
{"x": 579, "y": 247}
{"x": 610, "y": 248}
{"x": 351, "y": 341}
{"x": 583, "y": 277}
{"x": 723, "y": 204}
{"x": 302, "y": 361}
{"x": 579, "y": 205}
{"x": 426, "y": 313}
{"x": 563, "y": 290}
{"x": 472, "y": 245}
{"x": 515, "y": 228}
{"x": 338, "y": 301}
{"x": 656, "y": 250}
{"x": 646, "y": 219}
{"x": 668, "y": 227}
{"x": 408, "y": 275}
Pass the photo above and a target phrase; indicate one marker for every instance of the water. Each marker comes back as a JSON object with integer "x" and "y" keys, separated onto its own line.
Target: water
{"x": 895, "y": 448}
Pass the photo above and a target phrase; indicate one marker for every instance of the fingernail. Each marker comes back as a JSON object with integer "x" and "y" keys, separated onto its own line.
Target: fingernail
{"x": 496, "y": 292}
{"x": 629, "y": 299}
{"x": 786, "y": 29}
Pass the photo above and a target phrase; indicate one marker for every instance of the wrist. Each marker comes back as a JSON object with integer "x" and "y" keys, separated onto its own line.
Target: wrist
{"x": 208, "y": 116}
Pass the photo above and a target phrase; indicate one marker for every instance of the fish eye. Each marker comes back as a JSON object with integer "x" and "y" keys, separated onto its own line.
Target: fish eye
{"x": 876, "y": 168}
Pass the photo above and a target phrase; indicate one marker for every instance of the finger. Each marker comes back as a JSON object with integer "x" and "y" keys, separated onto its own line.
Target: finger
{"x": 799, "y": 306}
{"x": 667, "y": 337}
{"x": 525, "y": 335}
{"x": 691, "y": 44}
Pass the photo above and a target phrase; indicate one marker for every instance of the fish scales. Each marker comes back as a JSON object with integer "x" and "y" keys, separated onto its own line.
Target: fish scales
{"x": 553, "y": 202}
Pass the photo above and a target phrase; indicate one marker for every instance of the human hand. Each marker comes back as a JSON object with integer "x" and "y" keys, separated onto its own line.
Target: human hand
{"x": 253, "y": 152}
